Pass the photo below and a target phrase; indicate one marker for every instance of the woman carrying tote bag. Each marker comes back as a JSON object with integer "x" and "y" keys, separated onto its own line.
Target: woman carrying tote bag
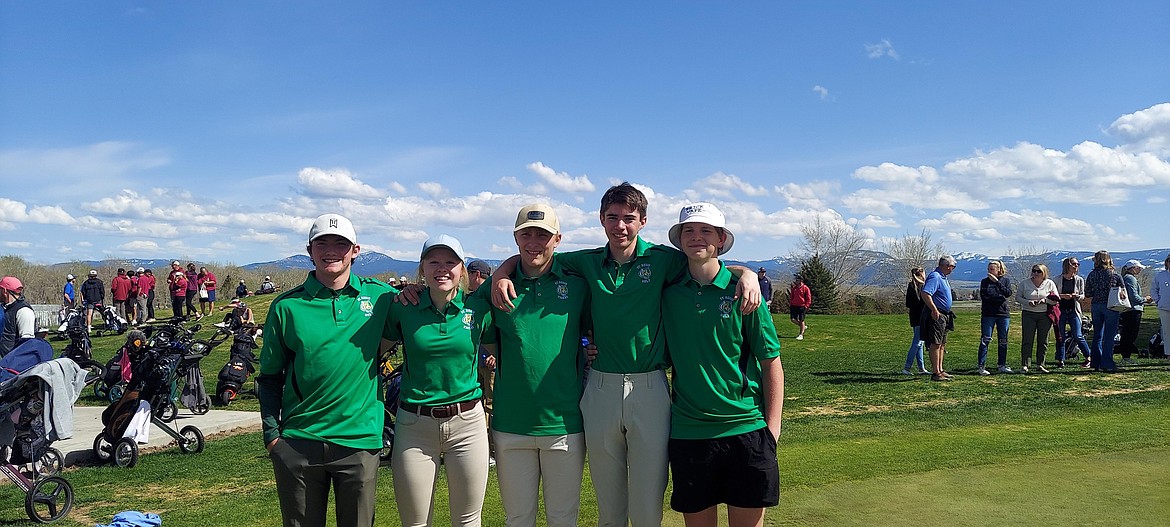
{"x": 1105, "y": 320}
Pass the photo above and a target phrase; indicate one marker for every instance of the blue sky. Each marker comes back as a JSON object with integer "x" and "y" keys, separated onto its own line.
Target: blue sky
{"x": 216, "y": 131}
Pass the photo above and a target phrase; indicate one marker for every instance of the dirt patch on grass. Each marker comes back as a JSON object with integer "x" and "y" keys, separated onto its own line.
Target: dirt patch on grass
{"x": 1105, "y": 392}
{"x": 844, "y": 407}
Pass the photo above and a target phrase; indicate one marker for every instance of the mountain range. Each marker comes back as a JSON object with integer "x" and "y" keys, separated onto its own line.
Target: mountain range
{"x": 971, "y": 267}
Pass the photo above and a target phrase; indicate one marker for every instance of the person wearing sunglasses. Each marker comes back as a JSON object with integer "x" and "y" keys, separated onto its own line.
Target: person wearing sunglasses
{"x": 1072, "y": 291}
{"x": 1036, "y": 296}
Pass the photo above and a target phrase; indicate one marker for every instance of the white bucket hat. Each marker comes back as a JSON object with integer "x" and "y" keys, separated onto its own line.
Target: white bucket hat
{"x": 701, "y": 212}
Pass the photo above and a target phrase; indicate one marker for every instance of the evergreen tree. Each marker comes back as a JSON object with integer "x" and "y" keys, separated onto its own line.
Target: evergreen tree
{"x": 820, "y": 281}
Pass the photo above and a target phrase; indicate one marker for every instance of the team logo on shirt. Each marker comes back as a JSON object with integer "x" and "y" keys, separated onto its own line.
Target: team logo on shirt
{"x": 468, "y": 318}
{"x": 562, "y": 290}
{"x": 725, "y": 305}
{"x": 366, "y": 305}
{"x": 644, "y": 273}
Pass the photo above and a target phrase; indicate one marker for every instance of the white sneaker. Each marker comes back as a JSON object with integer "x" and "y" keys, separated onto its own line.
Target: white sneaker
{"x": 1024, "y": 369}
{"x": 1128, "y": 362}
{"x": 800, "y": 337}
{"x": 926, "y": 372}
{"x": 491, "y": 461}
{"x": 1041, "y": 369}
{"x": 906, "y": 371}
{"x": 983, "y": 371}
{"x": 1005, "y": 369}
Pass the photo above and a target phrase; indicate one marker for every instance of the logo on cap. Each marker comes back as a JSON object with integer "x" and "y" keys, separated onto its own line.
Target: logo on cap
{"x": 332, "y": 223}
{"x": 536, "y": 215}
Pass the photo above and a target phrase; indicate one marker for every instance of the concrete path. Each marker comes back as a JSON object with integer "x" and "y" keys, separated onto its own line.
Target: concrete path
{"x": 87, "y": 424}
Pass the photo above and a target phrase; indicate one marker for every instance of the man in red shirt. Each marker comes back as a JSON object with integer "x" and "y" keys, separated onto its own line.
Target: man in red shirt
{"x": 120, "y": 288}
{"x": 178, "y": 288}
{"x": 799, "y": 300}
{"x": 145, "y": 310}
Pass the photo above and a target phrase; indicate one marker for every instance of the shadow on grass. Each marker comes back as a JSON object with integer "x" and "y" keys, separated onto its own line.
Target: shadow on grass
{"x": 863, "y": 377}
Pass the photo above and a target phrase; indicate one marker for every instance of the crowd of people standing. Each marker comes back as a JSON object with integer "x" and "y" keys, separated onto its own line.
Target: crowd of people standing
{"x": 1047, "y": 305}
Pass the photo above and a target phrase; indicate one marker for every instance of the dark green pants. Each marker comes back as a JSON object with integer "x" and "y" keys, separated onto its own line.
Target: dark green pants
{"x": 304, "y": 472}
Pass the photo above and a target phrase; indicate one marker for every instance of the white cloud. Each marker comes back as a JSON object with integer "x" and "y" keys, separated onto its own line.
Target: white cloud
{"x": 1043, "y": 229}
{"x": 881, "y": 49}
{"x": 140, "y": 246}
{"x": 12, "y": 211}
{"x": 814, "y": 194}
{"x": 919, "y": 188}
{"x": 432, "y": 189}
{"x": 17, "y": 245}
{"x": 336, "y": 183}
{"x": 72, "y": 166}
{"x": 727, "y": 185}
{"x": 1146, "y": 130}
{"x": 872, "y": 221}
{"x": 561, "y": 181}
{"x": 397, "y": 188}
{"x": 821, "y": 91}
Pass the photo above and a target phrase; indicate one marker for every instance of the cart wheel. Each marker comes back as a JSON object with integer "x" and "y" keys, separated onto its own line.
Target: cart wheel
{"x": 200, "y": 408}
{"x": 49, "y": 500}
{"x": 227, "y": 396}
{"x": 101, "y": 390}
{"x": 167, "y": 412}
{"x": 50, "y": 463}
{"x": 192, "y": 441}
{"x": 116, "y": 392}
{"x": 102, "y": 449}
{"x": 387, "y": 446}
{"x": 126, "y": 453}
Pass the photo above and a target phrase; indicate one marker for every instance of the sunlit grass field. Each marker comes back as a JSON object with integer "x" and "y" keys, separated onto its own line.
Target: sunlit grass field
{"x": 862, "y": 445}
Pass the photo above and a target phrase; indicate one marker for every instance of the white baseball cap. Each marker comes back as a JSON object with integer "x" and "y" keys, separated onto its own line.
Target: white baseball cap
{"x": 332, "y": 224}
{"x": 1133, "y": 264}
{"x": 69, "y": 276}
{"x": 701, "y": 212}
{"x": 443, "y": 240}
{"x": 140, "y": 270}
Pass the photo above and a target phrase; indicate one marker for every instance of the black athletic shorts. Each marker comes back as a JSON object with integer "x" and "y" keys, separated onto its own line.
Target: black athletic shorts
{"x": 740, "y": 471}
{"x": 797, "y": 312}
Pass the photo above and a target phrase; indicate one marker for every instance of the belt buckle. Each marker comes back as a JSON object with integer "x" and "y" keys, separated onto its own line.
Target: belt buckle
{"x": 443, "y": 412}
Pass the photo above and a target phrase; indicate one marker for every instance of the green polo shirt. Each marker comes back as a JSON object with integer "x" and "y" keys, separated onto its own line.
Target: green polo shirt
{"x": 440, "y": 349}
{"x": 626, "y": 303}
{"x": 318, "y": 374}
{"x": 716, "y": 354}
{"x": 539, "y": 367}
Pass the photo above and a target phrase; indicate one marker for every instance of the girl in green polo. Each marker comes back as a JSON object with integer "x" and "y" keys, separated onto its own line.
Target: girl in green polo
{"x": 440, "y": 419}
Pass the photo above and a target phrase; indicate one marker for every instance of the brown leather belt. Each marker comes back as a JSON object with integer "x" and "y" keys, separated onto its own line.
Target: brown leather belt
{"x": 440, "y": 412}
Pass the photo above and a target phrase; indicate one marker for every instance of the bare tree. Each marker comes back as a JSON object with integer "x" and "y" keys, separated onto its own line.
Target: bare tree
{"x": 1018, "y": 261}
{"x": 839, "y": 247}
{"x": 911, "y": 250}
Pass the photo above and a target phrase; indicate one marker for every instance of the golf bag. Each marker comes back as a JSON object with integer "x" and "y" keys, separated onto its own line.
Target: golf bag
{"x": 239, "y": 367}
{"x": 1157, "y": 349}
{"x": 113, "y": 321}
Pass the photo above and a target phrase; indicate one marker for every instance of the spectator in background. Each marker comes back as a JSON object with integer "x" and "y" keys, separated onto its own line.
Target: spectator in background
{"x": 69, "y": 294}
{"x": 1037, "y": 296}
{"x": 914, "y": 307}
{"x": 1131, "y": 320}
{"x": 177, "y": 284}
{"x": 20, "y": 321}
{"x": 1160, "y": 295}
{"x": 241, "y": 290}
{"x": 132, "y": 300}
{"x": 765, "y": 286}
{"x": 120, "y": 292}
{"x": 267, "y": 286}
{"x": 994, "y": 291}
{"x": 192, "y": 277}
{"x": 93, "y": 293}
{"x": 207, "y": 283}
{"x": 937, "y": 318}
{"x": 799, "y": 300}
{"x": 1072, "y": 291}
{"x": 1105, "y": 320}
{"x": 146, "y": 284}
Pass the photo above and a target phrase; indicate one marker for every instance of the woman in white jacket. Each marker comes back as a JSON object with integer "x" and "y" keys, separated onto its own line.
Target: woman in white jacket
{"x": 1036, "y": 297}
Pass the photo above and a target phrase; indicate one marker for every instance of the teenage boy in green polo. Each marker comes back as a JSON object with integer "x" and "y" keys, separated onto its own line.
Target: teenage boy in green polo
{"x": 626, "y": 404}
{"x": 728, "y": 384}
{"x": 538, "y": 432}
{"x": 318, "y": 384}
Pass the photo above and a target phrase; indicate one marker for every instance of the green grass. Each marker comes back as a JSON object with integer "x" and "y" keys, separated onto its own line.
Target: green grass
{"x": 862, "y": 445}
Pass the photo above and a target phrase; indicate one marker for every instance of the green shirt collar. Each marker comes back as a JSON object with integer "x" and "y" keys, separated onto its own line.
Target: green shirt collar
{"x": 314, "y": 287}
{"x": 722, "y": 278}
{"x": 640, "y": 248}
{"x": 424, "y": 301}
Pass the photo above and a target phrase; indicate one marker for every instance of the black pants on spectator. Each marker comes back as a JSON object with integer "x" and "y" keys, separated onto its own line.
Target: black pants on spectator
{"x": 191, "y": 302}
{"x": 1128, "y": 328}
{"x": 177, "y": 305}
